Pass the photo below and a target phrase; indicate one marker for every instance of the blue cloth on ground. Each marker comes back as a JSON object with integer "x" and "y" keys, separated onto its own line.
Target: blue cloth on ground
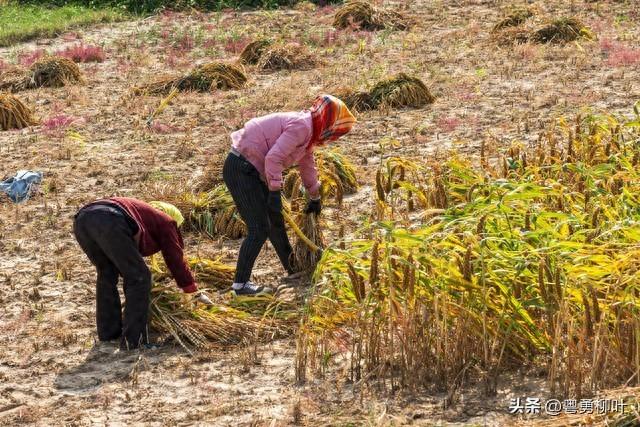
{"x": 18, "y": 188}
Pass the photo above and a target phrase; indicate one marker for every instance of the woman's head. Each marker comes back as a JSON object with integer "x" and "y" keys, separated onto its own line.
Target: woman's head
{"x": 331, "y": 119}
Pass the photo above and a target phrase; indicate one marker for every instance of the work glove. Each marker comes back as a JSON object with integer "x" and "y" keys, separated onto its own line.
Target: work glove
{"x": 204, "y": 299}
{"x": 274, "y": 201}
{"x": 314, "y": 206}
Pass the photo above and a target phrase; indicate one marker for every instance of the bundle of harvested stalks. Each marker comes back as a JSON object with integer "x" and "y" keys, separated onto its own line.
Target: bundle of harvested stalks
{"x": 214, "y": 75}
{"x": 562, "y": 30}
{"x": 253, "y": 51}
{"x": 209, "y": 272}
{"x": 511, "y": 36}
{"x": 514, "y": 19}
{"x": 401, "y": 91}
{"x": 12, "y": 78}
{"x": 205, "y": 78}
{"x": 14, "y": 114}
{"x": 269, "y": 306}
{"x": 335, "y": 171}
{"x": 363, "y": 15}
{"x": 292, "y": 56}
{"x": 212, "y": 173}
{"x": 214, "y": 213}
{"x": 356, "y": 101}
{"x": 51, "y": 71}
{"x": 196, "y": 327}
{"x": 305, "y": 257}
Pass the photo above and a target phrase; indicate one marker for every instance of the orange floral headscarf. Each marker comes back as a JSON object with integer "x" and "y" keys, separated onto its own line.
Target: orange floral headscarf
{"x": 331, "y": 119}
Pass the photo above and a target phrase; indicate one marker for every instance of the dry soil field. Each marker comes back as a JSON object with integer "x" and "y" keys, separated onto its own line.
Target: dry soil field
{"x": 93, "y": 142}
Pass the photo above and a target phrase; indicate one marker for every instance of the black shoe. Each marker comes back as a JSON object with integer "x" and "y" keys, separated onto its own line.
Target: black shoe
{"x": 251, "y": 289}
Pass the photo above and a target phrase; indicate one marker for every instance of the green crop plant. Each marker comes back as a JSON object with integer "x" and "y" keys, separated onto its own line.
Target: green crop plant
{"x": 529, "y": 260}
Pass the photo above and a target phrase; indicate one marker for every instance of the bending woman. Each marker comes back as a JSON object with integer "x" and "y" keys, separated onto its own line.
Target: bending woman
{"x": 253, "y": 173}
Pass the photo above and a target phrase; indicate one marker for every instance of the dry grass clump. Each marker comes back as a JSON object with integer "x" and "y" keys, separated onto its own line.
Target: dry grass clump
{"x": 362, "y": 14}
{"x": 253, "y": 51}
{"x": 514, "y": 19}
{"x": 292, "y": 56}
{"x": 205, "y": 78}
{"x": 531, "y": 260}
{"x": 399, "y": 91}
{"x": 562, "y": 30}
{"x": 14, "y": 114}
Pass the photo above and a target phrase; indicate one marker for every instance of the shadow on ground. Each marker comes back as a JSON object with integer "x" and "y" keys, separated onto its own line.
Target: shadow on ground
{"x": 105, "y": 364}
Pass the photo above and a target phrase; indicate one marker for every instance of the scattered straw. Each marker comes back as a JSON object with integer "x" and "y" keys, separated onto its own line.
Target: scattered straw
{"x": 212, "y": 173}
{"x": 14, "y": 114}
{"x": 511, "y": 36}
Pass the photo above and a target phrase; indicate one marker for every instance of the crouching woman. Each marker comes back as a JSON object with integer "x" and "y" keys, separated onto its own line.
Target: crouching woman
{"x": 116, "y": 234}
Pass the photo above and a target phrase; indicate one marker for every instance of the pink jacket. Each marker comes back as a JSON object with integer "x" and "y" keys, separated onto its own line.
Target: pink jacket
{"x": 276, "y": 142}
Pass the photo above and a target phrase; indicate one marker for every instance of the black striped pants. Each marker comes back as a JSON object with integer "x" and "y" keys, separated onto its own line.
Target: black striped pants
{"x": 250, "y": 194}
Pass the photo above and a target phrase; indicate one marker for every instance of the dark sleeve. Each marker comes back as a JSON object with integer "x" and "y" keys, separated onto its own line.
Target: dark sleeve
{"x": 171, "y": 246}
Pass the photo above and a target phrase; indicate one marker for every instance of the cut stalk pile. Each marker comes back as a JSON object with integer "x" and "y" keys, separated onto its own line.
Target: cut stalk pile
{"x": 363, "y": 15}
{"x": 196, "y": 327}
{"x": 205, "y": 78}
{"x": 533, "y": 260}
{"x": 253, "y": 51}
{"x": 14, "y": 114}
{"x": 514, "y": 19}
{"x": 48, "y": 71}
{"x": 212, "y": 212}
{"x": 291, "y": 56}
{"x": 562, "y": 30}
{"x": 399, "y": 91}
{"x": 210, "y": 273}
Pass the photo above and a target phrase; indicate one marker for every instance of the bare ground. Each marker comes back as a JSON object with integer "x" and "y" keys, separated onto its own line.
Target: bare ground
{"x": 51, "y": 370}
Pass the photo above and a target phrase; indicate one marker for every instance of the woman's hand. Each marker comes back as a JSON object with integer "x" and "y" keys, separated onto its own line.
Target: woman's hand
{"x": 274, "y": 201}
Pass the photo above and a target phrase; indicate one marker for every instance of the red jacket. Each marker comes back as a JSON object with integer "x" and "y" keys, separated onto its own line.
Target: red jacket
{"x": 158, "y": 232}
